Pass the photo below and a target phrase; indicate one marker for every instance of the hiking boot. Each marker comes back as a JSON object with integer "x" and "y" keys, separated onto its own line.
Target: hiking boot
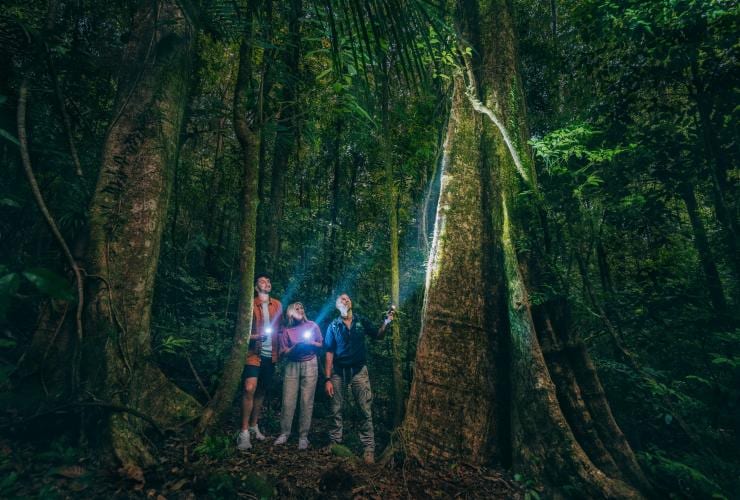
{"x": 368, "y": 457}
{"x": 243, "y": 443}
{"x": 303, "y": 444}
{"x": 257, "y": 434}
{"x": 282, "y": 439}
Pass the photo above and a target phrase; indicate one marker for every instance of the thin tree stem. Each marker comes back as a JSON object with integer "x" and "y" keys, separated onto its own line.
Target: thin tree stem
{"x": 26, "y": 160}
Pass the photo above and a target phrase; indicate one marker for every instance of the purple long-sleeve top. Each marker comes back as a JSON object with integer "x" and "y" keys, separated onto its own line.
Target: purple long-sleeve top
{"x": 300, "y": 335}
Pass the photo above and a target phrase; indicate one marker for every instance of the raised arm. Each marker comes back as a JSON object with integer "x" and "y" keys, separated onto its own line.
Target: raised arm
{"x": 380, "y": 335}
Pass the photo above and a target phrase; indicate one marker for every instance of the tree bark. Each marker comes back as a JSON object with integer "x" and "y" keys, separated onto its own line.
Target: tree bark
{"x": 246, "y": 127}
{"x": 392, "y": 200}
{"x": 481, "y": 337}
{"x": 127, "y": 217}
{"x": 451, "y": 407}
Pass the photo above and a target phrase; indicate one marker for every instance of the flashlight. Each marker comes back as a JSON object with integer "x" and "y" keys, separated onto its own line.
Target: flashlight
{"x": 268, "y": 330}
{"x": 307, "y": 335}
{"x": 390, "y": 311}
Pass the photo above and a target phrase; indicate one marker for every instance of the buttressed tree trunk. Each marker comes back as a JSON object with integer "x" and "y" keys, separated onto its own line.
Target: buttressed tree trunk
{"x": 127, "y": 216}
{"x": 495, "y": 377}
{"x": 450, "y": 412}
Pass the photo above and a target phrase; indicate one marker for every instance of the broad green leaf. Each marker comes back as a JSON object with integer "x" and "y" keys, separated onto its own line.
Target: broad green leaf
{"x": 50, "y": 283}
{"x": 9, "y": 202}
{"x": 8, "y": 286}
{"x": 4, "y": 133}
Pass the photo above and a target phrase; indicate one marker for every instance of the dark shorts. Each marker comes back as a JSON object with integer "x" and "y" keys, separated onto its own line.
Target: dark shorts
{"x": 263, "y": 372}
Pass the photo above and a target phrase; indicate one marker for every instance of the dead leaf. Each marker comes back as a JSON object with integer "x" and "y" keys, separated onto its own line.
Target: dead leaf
{"x": 78, "y": 486}
{"x": 178, "y": 485}
{"x": 70, "y": 471}
{"x": 132, "y": 472}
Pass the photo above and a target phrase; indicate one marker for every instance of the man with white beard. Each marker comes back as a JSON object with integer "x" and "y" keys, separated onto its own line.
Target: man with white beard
{"x": 346, "y": 365}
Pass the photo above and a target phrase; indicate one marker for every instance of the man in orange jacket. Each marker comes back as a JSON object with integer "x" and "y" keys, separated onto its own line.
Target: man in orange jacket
{"x": 261, "y": 358}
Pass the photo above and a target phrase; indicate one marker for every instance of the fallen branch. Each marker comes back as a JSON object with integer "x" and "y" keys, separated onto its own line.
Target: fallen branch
{"x": 197, "y": 377}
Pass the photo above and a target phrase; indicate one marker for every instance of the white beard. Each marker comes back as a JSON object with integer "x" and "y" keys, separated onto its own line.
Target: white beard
{"x": 343, "y": 310}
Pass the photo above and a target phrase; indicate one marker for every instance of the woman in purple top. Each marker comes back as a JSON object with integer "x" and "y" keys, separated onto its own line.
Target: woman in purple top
{"x": 299, "y": 343}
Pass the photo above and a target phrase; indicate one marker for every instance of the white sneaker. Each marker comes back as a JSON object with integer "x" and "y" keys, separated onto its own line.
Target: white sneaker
{"x": 303, "y": 444}
{"x": 243, "y": 443}
{"x": 282, "y": 439}
{"x": 257, "y": 434}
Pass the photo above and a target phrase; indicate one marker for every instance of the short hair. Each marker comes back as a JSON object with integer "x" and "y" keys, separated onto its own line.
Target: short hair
{"x": 261, "y": 275}
{"x": 339, "y": 296}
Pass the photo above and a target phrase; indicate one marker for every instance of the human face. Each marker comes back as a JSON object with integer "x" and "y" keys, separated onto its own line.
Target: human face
{"x": 263, "y": 285}
{"x": 297, "y": 312}
{"x": 344, "y": 304}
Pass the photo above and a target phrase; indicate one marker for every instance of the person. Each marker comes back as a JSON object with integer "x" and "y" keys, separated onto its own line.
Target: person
{"x": 346, "y": 366}
{"x": 262, "y": 356}
{"x": 300, "y": 341}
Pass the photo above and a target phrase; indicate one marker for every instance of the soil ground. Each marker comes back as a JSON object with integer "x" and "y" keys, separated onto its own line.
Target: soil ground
{"x": 47, "y": 467}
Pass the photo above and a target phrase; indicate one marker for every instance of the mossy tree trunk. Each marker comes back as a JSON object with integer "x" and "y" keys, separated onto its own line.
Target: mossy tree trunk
{"x": 386, "y": 156}
{"x": 498, "y": 379}
{"x": 127, "y": 217}
{"x": 452, "y": 404}
{"x": 247, "y": 130}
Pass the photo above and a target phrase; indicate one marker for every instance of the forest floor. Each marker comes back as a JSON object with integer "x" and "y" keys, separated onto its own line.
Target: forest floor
{"x": 215, "y": 469}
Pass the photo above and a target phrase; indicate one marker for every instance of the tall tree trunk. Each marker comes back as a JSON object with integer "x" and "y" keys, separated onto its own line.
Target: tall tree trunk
{"x": 246, "y": 127}
{"x": 451, "y": 407}
{"x": 480, "y": 334}
{"x": 392, "y": 200}
{"x": 127, "y": 217}
{"x": 285, "y": 137}
{"x": 722, "y": 192}
{"x": 337, "y": 203}
{"x": 714, "y": 285}
{"x": 267, "y": 127}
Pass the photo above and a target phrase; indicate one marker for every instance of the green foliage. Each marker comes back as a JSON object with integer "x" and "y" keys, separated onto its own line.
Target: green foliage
{"x": 8, "y": 287}
{"x": 216, "y": 447}
{"x": 530, "y": 493}
{"x": 60, "y": 452}
{"x": 677, "y": 478}
{"x": 260, "y": 486}
{"x": 221, "y": 485}
{"x": 341, "y": 451}
{"x": 630, "y": 102}
{"x": 571, "y": 154}
{"x": 173, "y": 345}
{"x": 50, "y": 283}
{"x": 8, "y": 484}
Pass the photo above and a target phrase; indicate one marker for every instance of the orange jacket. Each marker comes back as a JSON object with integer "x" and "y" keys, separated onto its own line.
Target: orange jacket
{"x": 255, "y": 342}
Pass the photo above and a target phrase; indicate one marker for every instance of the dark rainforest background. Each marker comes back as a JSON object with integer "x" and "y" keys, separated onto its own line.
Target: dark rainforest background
{"x": 547, "y": 191}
